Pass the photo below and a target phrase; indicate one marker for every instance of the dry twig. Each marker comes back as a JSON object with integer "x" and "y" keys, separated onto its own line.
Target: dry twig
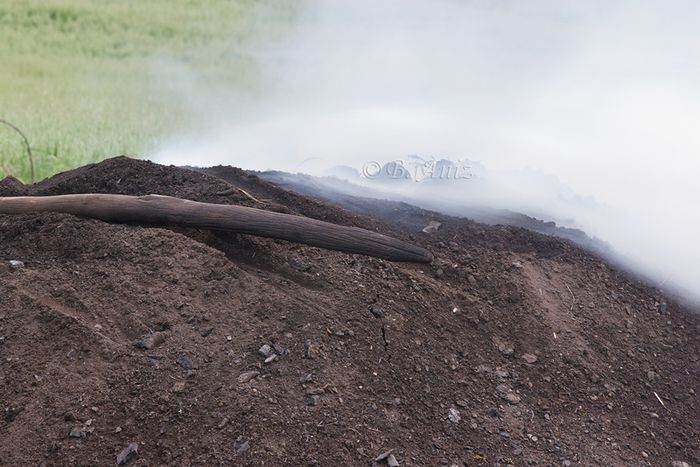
{"x": 573, "y": 298}
{"x": 26, "y": 144}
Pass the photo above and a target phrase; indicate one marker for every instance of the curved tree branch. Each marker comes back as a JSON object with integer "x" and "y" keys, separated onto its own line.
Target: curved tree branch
{"x": 175, "y": 211}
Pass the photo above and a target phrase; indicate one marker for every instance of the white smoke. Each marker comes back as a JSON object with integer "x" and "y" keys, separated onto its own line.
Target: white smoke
{"x": 601, "y": 95}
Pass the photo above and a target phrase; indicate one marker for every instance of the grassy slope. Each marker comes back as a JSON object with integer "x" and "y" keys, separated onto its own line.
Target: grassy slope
{"x": 77, "y": 75}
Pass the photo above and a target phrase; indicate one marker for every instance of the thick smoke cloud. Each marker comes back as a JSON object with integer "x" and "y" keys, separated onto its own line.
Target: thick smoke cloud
{"x": 583, "y": 111}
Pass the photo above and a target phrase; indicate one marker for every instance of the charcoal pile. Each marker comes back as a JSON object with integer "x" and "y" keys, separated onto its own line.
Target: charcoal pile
{"x": 165, "y": 345}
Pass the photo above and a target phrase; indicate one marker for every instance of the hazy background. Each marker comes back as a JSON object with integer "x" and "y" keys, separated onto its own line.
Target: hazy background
{"x": 586, "y": 110}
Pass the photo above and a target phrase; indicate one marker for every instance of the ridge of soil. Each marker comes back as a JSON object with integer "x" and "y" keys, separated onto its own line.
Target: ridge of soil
{"x": 512, "y": 348}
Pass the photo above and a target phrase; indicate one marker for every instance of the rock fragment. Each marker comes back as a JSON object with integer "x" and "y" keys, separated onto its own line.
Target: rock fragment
{"x": 149, "y": 341}
{"x": 240, "y": 445}
{"x": 128, "y": 454}
{"x": 432, "y": 227}
{"x": 505, "y": 347}
{"x": 248, "y": 375}
{"x": 185, "y": 362}
{"x": 280, "y": 349}
{"x": 306, "y": 378}
{"x": 453, "y": 415}
{"x": 14, "y": 264}
{"x": 78, "y": 433}
{"x": 512, "y": 398}
{"x": 383, "y": 456}
{"x": 530, "y": 358}
{"x": 266, "y": 351}
{"x": 376, "y": 311}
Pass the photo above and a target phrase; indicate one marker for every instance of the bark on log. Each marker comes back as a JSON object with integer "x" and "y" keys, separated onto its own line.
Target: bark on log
{"x": 158, "y": 209}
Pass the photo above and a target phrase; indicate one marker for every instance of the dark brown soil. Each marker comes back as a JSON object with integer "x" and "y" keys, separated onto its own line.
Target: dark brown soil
{"x": 511, "y": 348}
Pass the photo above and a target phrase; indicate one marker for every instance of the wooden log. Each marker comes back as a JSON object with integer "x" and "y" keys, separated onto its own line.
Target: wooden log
{"x": 156, "y": 209}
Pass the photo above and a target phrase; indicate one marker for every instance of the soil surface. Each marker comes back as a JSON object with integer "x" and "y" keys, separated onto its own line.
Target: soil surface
{"x": 206, "y": 348}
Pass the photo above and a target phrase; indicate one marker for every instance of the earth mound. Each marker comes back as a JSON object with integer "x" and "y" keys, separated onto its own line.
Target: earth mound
{"x": 210, "y": 348}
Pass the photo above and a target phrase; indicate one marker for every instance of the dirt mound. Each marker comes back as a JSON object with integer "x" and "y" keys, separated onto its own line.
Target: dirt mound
{"x": 217, "y": 349}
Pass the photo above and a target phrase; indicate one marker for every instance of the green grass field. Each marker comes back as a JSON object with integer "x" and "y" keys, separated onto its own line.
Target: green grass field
{"x": 77, "y": 76}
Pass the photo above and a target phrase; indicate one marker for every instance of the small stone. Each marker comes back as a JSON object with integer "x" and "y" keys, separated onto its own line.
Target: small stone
{"x": 377, "y": 311}
{"x": 471, "y": 279}
{"x": 266, "y": 351}
{"x": 185, "y": 362}
{"x": 383, "y": 455}
{"x": 78, "y": 433}
{"x": 512, "y": 398}
{"x": 14, "y": 264}
{"x": 128, "y": 454}
{"x": 505, "y": 347}
{"x": 517, "y": 264}
{"x": 453, "y": 415}
{"x": 247, "y": 376}
{"x": 503, "y": 388}
{"x": 566, "y": 463}
{"x": 679, "y": 464}
{"x": 432, "y": 227}
{"x": 241, "y": 446}
{"x": 271, "y": 358}
{"x": 280, "y": 349}
{"x": 645, "y": 455}
{"x": 461, "y": 403}
{"x": 306, "y": 378}
{"x": 391, "y": 461}
{"x": 530, "y": 358}
{"x": 206, "y": 332}
{"x": 149, "y": 341}
{"x": 229, "y": 338}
